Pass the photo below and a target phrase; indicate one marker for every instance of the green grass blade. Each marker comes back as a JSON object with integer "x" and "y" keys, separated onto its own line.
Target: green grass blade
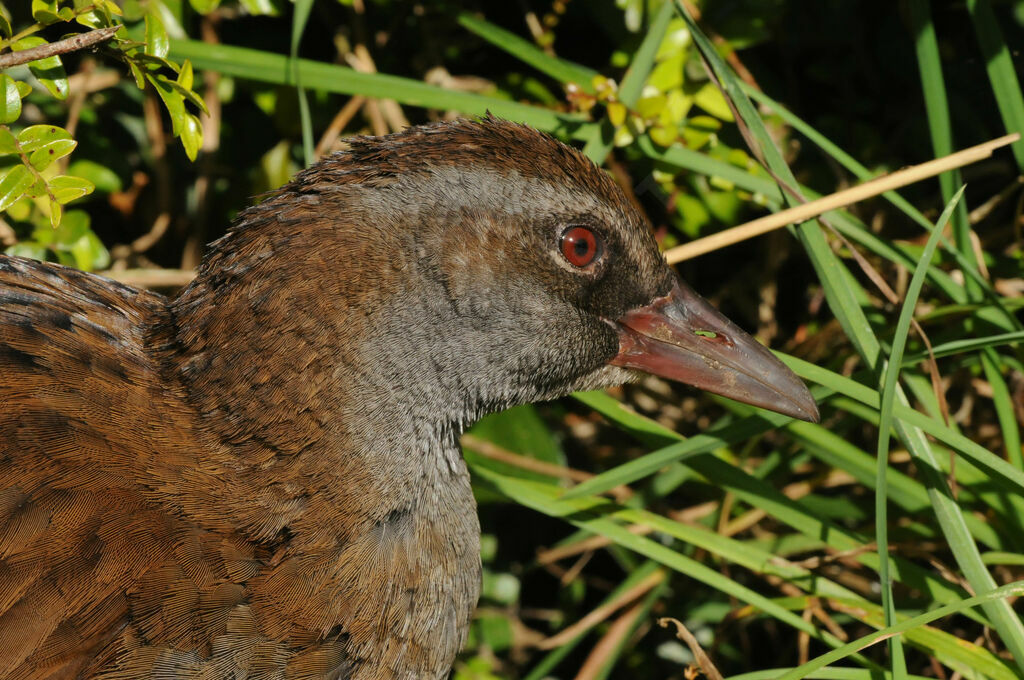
{"x": 600, "y": 144}
{"x": 967, "y": 345}
{"x": 536, "y": 496}
{"x": 242, "y": 62}
{"x": 889, "y": 380}
{"x": 559, "y": 69}
{"x": 998, "y": 595}
{"x": 299, "y": 19}
{"x": 1001, "y": 72}
{"x": 839, "y": 288}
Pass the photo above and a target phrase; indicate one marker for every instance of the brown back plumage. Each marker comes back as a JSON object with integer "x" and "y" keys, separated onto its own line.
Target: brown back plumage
{"x": 261, "y": 477}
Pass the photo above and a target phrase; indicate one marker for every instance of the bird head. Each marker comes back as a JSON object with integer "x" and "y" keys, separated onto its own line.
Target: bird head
{"x": 485, "y": 263}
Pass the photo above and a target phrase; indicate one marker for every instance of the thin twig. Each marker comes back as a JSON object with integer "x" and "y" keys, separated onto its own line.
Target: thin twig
{"x": 841, "y": 199}
{"x": 603, "y": 612}
{"x": 72, "y": 44}
{"x": 609, "y": 642}
{"x": 341, "y": 119}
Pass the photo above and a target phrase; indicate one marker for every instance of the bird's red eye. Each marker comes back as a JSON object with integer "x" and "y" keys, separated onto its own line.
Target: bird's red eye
{"x": 580, "y": 246}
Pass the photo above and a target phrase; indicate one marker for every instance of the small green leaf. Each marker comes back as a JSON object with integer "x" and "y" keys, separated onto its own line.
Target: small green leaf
{"x": 21, "y": 210}
{"x": 8, "y": 142}
{"x": 75, "y": 225}
{"x": 45, "y": 12}
{"x": 10, "y": 102}
{"x": 157, "y": 42}
{"x": 204, "y": 6}
{"x": 189, "y": 95}
{"x": 191, "y": 136}
{"x": 37, "y": 136}
{"x": 172, "y": 99}
{"x": 24, "y": 89}
{"x": 140, "y": 78}
{"x": 110, "y": 7}
{"x": 261, "y": 7}
{"x": 104, "y": 179}
{"x": 710, "y": 98}
{"x": 49, "y": 71}
{"x": 5, "y": 27}
{"x": 185, "y": 75}
{"x": 14, "y": 185}
{"x": 33, "y": 251}
{"x": 43, "y": 156}
{"x": 66, "y": 188}
{"x": 55, "y": 212}
{"x": 37, "y": 189}
{"x": 92, "y": 19}
{"x": 90, "y": 253}
{"x": 153, "y": 63}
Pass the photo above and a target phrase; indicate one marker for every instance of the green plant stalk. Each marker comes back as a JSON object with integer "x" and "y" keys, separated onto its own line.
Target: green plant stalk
{"x": 936, "y": 105}
{"x": 889, "y": 381}
{"x": 299, "y": 19}
{"x": 842, "y": 301}
{"x": 267, "y": 67}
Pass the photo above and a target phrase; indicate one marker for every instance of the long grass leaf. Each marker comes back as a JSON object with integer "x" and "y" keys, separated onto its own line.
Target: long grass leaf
{"x": 299, "y": 19}
{"x": 560, "y": 69}
{"x": 889, "y": 380}
{"x": 243, "y": 62}
{"x": 839, "y": 289}
{"x": 1001, "y": 72}
{"x": 1015, "y": 589}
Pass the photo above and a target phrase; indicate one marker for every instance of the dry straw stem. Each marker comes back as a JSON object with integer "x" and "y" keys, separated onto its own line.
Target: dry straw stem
{"x": 598, "y": 615}
{"x": 841, "y": 199}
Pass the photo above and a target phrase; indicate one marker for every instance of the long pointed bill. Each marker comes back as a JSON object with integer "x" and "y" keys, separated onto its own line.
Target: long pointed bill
{"x": 682, "y": 337}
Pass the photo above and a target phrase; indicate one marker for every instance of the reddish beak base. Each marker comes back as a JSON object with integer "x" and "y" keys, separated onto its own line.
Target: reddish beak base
{"x": 682, "y": 337}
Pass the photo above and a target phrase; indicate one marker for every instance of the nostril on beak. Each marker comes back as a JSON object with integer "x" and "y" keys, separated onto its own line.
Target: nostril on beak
{"x": 713, "y": 336}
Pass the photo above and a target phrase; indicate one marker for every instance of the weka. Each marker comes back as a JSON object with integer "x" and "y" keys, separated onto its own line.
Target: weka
{"x": 261, "y": 477}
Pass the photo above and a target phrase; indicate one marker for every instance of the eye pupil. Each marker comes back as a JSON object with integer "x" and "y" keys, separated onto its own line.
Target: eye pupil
{"x": 580, "y": 246}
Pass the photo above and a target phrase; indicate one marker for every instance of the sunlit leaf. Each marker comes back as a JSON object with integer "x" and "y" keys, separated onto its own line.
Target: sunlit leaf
{"x": 185, "y": 76}
{"x": 157, "y": 43}
{"x": 49, "y": 71}
{"x": 14, "y": 185}
{"x": 45, "y": 12}
{"x": 33, "y": 251}
{"x": 204, "y": 6}
{"x": 172, "y": 99}
{"x": 191, "y": 136}
{"x": 8, "y": 142}
{"x": 90, "y": 253}
{"x": 102, "y": 177}
{"x": 66, "y": 188}
{"x": 37, "y": 136}
{"x": 10, "y": 102}
{"x": 43, "y": 157}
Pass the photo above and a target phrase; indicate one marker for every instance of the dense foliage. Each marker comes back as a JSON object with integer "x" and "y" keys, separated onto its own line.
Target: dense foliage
{"x": 759, "y": 533}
